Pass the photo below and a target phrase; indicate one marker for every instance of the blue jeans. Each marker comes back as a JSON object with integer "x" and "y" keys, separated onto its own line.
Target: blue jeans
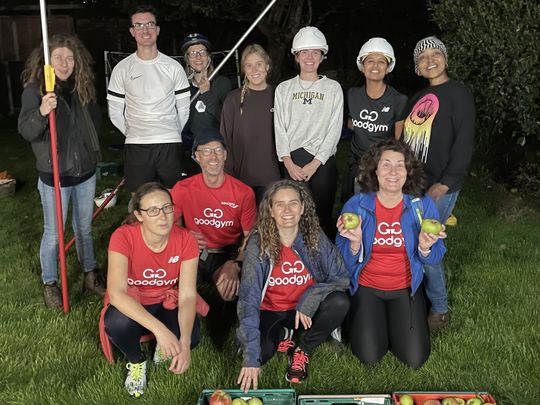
{"x": 434, "y": 274}
{"x": 83, "y": 205}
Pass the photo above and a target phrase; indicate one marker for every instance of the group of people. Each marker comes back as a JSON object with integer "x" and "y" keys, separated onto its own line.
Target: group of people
{"x": 254, "y": 215}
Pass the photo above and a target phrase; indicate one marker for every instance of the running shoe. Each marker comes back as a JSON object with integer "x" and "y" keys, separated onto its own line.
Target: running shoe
{"x": 287, "y": 343}
{"x": 136, "y": 379}
{"x": 298, "y": 361}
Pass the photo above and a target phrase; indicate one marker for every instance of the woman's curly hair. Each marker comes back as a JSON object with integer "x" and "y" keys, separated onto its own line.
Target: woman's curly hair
{"x": 266, "y": 225}
{"x": 415, "y": 182}
{"x": 82, "y": 75}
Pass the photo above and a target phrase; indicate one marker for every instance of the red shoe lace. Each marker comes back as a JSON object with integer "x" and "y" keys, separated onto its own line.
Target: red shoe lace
{"x": 299, "y": 361}
{"x": 285, "y": 345}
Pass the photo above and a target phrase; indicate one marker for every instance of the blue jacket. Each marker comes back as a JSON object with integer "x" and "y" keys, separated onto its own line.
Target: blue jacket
{"x": 326, "y": 268}
{"x": 363, "y": 204}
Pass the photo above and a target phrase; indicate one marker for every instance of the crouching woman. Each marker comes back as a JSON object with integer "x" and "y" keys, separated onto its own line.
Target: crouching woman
{"x": 293, "y": 279}
{"x": 152, "y": 286}
{"x": 385, "y": 254}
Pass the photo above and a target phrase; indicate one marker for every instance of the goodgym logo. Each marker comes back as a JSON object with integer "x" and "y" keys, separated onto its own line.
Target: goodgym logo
{"x": 292, "y": 274}
{"x": 212, "y": 217}
{"x": 152, "y": 277}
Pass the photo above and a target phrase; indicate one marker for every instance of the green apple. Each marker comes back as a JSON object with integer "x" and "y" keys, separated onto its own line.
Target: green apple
{"x": 255, "y": 401}
{"x": 431, "y": 226}
{"x": 406, "y": 400}
{"x": 239, "y": 401}
{"x": 475, "y": 401}
{"x": 350, "y": 220}
{"x": 452, "y": 401}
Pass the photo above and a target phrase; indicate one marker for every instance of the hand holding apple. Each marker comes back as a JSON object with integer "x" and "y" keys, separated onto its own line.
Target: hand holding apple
{"x": 349, "y": 226}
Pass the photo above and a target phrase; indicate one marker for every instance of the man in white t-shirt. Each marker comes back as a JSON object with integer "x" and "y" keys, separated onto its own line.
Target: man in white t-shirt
{"x": 148, "y": 99}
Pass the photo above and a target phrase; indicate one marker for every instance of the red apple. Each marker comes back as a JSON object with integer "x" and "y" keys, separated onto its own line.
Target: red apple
{"x": 220, "y": 397}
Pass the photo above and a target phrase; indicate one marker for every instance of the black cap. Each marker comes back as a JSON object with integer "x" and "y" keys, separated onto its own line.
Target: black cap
{"x": 207, "y": 135}
{"x": 194, "y": 39}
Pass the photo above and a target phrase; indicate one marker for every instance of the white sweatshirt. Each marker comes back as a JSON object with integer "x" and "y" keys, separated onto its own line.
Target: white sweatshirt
{"x": 308, "y": 115}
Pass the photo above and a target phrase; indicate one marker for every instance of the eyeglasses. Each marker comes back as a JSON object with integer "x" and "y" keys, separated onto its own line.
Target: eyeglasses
{"x": 154, "y": 211}
{"x": 148, "y": 25}
{"x": 208, "y": 151}
{"x": 202, "y": 53}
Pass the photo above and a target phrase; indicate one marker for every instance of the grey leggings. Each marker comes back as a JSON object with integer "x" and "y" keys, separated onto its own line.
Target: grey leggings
{"x": 389, "y": 320}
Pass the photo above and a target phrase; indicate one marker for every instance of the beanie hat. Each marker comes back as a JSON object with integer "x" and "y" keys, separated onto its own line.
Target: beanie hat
{"x": 426, "y": 43}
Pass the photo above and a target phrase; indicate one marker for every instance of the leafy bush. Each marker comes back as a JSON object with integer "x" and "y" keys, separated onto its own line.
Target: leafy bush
{"x": 493, "y": 47}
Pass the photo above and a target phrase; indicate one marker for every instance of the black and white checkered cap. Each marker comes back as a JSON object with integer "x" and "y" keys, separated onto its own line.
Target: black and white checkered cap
{"x": 426, "y": 43}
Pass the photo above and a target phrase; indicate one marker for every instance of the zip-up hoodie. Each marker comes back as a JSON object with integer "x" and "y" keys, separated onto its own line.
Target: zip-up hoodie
{"x": 364, "y": 206}
{"x": 325, "y": 266}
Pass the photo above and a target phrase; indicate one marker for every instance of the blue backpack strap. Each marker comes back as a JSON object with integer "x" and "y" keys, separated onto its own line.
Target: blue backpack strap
{"x": 418, "y": 211}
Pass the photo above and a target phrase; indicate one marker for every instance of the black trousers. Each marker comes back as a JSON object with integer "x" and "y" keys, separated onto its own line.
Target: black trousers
{"x": 389, "y": 320}
{"x": 323, "y": 186}
{"x": 328, "y": 317}
{"x": 126, "y": 334}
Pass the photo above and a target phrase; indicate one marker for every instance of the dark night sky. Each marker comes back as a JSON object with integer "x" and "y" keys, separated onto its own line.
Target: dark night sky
{"x": 346, "y": 29}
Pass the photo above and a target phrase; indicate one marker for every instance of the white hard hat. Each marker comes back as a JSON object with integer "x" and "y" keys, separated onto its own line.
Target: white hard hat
{"x": 309, "y": 38}
{"x": 377, "y": 45}
{"x": 101, "y": 199}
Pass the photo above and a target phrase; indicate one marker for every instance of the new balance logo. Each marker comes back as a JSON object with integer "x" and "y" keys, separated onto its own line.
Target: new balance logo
{"x": 385, "y": 109}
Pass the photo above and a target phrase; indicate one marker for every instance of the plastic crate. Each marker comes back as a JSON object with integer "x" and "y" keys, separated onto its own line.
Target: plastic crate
{"x": 420, "y": 396}
{"x": 359, "y": 399}
{"x": 270, "y": 397}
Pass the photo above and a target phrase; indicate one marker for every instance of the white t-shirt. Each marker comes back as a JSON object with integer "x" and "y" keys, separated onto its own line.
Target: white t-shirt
{"x": 149, "y": 99}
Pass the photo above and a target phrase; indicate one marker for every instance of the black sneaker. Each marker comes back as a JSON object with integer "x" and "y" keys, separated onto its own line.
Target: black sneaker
{"x": 52, "y": 296}
{"x": 287, "y": 343}
{"x": 298, "y": 361}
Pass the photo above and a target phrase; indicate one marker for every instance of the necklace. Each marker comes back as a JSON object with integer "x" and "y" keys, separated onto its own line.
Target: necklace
{"x": 309, "y": 86}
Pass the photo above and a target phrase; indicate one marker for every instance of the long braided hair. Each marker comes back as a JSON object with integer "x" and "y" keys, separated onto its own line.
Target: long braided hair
{"x": 82, "y": 71}
{"x": 266, "y": 227}
{"x": 250, "y": 49}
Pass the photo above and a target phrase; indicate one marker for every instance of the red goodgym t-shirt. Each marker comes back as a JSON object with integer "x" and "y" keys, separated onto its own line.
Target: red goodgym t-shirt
{"x": 388, "y": 268}
{"x": 150, "y": 271}
{"x": 287, "y": 282}
{"x": 221, "y": 214}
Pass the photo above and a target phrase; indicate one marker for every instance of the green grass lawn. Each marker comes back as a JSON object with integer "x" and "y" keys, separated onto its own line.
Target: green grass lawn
{"x": 492, "y": 343}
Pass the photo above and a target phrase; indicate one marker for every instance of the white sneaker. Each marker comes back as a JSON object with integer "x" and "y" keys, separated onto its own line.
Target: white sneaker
{"x": 136, "y": 379}
{"x": 158, "y": 356}
{"x": 336, "y": 334}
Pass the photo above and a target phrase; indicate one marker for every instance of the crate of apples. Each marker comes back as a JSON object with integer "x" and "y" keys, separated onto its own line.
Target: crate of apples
{"x": 443, "y": 398}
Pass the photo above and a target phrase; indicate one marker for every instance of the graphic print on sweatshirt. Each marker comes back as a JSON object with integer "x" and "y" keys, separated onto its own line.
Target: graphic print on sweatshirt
{"x": 308, "y": 97}
{"x": 419, "y": 123}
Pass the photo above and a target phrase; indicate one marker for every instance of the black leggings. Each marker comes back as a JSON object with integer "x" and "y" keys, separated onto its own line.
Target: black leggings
{"x": 328, "y": 317}
{"x": 323, "y": 186}
{"x": 125, "y": 333}
{"x": 382, "y": 320}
